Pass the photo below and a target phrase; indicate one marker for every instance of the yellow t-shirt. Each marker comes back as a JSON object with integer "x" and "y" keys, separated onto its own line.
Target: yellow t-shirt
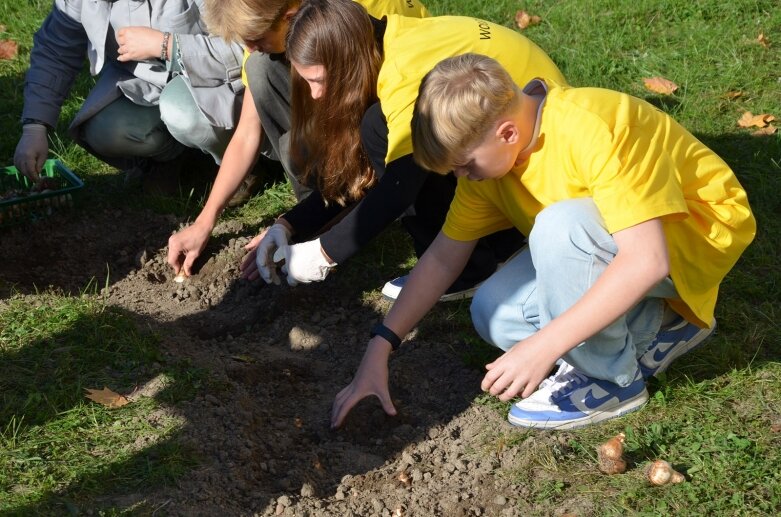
{"x": 377, "y": 9}
{"x": 637, "y": 164}
{"x": 413, "y": 46}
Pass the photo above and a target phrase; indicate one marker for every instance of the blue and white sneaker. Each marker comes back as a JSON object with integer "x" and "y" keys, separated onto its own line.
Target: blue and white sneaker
{"x": 569, "y": 399}
{"x": 392, "y": 289}
{"x": 671, "y": 343}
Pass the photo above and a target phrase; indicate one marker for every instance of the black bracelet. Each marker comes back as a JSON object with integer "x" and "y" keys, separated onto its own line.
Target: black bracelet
{"x": 387, "y": 334}
{"x": 26, "y": 121}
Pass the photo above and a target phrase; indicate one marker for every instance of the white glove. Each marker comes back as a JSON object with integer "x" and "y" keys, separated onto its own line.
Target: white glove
{"x": 305, "y": 263}
{"x": 276, "y": 237}
{"x": 31, "y": 151}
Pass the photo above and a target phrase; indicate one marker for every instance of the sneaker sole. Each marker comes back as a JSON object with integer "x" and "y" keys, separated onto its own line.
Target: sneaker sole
{"x": 696, "y": 340}
{"x": 632, "y": 404}
{"x": 461, "y": 295}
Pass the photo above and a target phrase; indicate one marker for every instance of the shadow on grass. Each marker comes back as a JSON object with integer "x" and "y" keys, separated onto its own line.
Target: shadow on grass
{"x": 56, "y": 441}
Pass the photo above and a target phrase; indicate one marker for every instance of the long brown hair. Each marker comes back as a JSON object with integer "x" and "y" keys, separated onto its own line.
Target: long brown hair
{"x": 325, "y": 134}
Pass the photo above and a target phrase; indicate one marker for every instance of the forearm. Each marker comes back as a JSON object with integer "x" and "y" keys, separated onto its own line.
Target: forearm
{"x": 640, "y": 264}
{"x": 310, "y": 215}
{"x": 385, "y": 202}
{"x": 240, "y": 156}
{"x": 436, "y": 270}
{"x": 55, "y": 60}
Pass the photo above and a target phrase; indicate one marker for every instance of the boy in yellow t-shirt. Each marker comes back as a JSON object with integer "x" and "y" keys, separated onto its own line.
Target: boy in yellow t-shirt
{"x": 632, "y": 225}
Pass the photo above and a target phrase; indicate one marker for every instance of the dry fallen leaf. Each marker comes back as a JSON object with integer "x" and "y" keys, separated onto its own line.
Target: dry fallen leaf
{"x": 762, "y": 40}
{"x": 765, "y": 131}
{"x": 775, "y": 427}
{"x": 750, "y": 120}
{"x": 106, "y": 397}
{"x": 524, "y": 19}
{"x": 8, "y": 49}
{"x": 732, "y": 95}
{"x": 244, "y": 358}
{"x": 660, "y": 85}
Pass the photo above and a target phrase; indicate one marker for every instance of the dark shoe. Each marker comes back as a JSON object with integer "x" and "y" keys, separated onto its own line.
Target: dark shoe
{"x": 156, "y": 178}
{"x": 250, "y": 186}
{"x": 133, "y": 176}
{"x": 162, "y": 178}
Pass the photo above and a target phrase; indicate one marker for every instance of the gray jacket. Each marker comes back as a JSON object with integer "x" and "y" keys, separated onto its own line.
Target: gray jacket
{"x": 76, "y": 28}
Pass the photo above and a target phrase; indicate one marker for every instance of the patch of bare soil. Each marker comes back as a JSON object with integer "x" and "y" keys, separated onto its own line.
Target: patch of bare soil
{"x": 277, "y": 356}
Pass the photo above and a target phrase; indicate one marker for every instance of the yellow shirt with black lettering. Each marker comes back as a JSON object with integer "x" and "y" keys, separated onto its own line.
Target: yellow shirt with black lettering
{"x": 377, "y": 9}
{"x": 412, "y": 47}
{"x": 638, "y": 164}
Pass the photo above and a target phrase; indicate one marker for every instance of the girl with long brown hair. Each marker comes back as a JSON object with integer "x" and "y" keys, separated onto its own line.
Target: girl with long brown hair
{"x": 351, "y": 126}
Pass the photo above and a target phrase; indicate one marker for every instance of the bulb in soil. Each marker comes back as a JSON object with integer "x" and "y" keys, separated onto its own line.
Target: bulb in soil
{"x": 180, "y": 277}
{"x": 613, "y": 448}
{"x": 404, "y": 478}
{"x": 610, "y": 455}
{"x": 610, "y": 466}
{"x": 661, "y": 473}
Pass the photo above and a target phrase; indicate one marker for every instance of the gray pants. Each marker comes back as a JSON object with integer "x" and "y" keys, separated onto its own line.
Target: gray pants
{"x": 268, "y": 76}
{"x": 123, "y": 130}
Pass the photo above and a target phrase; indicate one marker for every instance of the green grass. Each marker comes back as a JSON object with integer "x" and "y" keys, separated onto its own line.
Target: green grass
{"x": 711, "y": 415}
{"x": 58, "y": 448}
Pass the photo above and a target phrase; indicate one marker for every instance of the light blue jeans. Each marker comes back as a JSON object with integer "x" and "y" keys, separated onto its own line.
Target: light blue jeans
{"x": 569, "y": 248}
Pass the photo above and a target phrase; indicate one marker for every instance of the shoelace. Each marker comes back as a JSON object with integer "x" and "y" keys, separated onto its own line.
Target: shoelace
{"x": 569, "y": 380}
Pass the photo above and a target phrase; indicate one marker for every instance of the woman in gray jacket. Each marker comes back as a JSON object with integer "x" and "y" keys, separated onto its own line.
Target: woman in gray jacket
{"x": 163, "y": 83}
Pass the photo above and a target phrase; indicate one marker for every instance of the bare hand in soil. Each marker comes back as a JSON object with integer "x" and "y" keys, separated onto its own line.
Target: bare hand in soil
{"x": 186, "y": 245}
{"x": 370, "y": 379}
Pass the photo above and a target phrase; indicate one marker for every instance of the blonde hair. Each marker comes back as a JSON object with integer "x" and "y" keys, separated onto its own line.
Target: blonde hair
{"x": 325, "y": 134}
{"x": 244, "y": 21}
{"x": 459, "y": 102}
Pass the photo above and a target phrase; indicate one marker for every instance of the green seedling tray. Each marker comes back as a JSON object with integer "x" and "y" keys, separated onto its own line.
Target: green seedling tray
{"x": 19, "y": 202}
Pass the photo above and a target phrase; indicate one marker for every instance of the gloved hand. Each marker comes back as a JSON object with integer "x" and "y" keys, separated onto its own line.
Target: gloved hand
{"x": 305, "y": 263}
{"x": 276, "y": 237}
{"x": 31, "y": 151}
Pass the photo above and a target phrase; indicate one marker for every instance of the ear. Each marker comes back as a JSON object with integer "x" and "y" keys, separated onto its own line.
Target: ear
{"x": 507, "y": 132}
{"x": 291, "y": 11}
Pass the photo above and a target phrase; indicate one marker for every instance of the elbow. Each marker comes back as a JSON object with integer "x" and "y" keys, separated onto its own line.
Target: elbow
{"x": 658, "y": 267}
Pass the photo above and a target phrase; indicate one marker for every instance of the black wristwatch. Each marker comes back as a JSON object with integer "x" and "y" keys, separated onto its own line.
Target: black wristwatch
{"x": 387, "y": 334}
{"x": 26, "y": 121}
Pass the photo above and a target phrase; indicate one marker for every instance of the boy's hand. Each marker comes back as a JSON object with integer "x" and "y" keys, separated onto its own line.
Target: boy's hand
{"x": 520, "y": 370}
{"x": 370, "y": 379}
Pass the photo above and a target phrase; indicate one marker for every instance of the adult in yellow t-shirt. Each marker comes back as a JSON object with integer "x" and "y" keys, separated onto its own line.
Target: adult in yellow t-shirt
{"x": 264, "y": 123}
